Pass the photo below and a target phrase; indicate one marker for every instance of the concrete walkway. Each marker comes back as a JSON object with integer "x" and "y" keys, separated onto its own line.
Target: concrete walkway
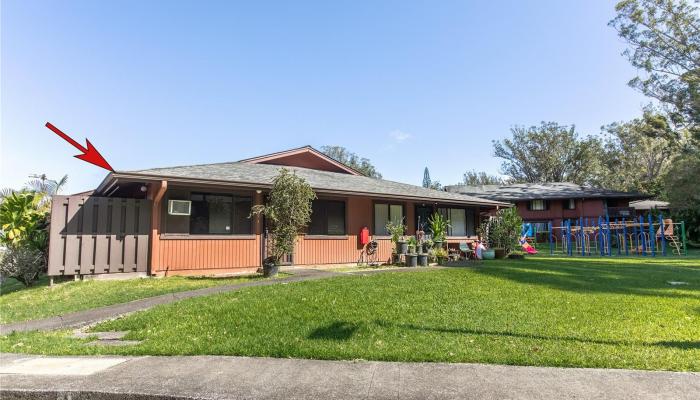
{"x": 87, "y": 317}
{"x": 214, "y": 377}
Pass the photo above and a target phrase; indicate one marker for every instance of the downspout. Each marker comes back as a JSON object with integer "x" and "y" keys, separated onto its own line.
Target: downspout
{"x": 155, "y": 193}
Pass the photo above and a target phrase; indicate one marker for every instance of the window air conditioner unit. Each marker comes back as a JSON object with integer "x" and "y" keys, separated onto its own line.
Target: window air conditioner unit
{"x": 179, "y": 207}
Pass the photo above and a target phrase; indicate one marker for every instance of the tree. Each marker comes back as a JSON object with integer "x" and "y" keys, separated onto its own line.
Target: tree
{"x": 426, "y": 178}
{"x": 288, "y": 211}
{"x": 664, "y": 43}
{"x": 474, "y": 178}
{"x": 502, "y": 230}
{"x": 23, "y": 221}
{"x": 42, "y": 185}
{"x": 547, "y": 153}
{"x": 637, "y": 154}
{"x": 683, "y": 190}
{"x": 429, "y": 183}
{"x": 352, "y": 160}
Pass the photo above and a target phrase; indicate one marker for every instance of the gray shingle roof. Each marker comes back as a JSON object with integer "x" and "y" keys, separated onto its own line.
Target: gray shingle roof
{"x": 263, "y": 174}
{"x": 531, "y": 191}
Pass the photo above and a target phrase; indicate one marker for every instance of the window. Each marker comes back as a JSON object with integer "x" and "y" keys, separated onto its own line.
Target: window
{"x": 383, "y": 213}
{"x": 538, "y": 205}
{"x": 218, "y": 214}
{"x": 327, "y": 218}
{"x": 570, "y": 204}
{"x": 461, "y": 221}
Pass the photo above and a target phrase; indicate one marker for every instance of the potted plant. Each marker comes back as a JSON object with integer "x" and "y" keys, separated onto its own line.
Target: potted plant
{"x": 516, "y": 255}
{"x": 440, "y": 255}
{"x": 396, "y": 229}
{"x": 423, "y": 259}
{"x": 439, "y": 226}
{"x": 288, "y": 210}
{"x": 411, "y": 260}
{"x": 412, "y": 243}
{"x": 427, "y": 245}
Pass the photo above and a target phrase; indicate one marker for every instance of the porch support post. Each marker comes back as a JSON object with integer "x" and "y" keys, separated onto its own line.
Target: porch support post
{"x": 258, "y": 199}
{"x": 156, "y": 191}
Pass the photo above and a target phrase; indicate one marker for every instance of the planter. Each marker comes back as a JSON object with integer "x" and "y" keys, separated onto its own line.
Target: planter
{"x": 411, "y": 260}
{"x": 270, "y": 268}
{"x": 500, "y": 253}
{"x": 488, "y": 254}
{"x": 411, "y": 249}
{"x": 423, "y": 260}
{"x": 402, "y": 247}
{"x": 441, "y": 260}
{"x": 437, "y": 244}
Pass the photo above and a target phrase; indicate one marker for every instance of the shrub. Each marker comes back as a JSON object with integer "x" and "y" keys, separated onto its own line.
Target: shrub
{"x": 288, "y": 211}
{"x": 503, "y": 230}
{"x": 22, "y": 263}
{"x": 438, "y": 227}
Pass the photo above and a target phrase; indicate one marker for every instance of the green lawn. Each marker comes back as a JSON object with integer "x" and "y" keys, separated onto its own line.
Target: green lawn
{"x": 594, "y": 312}
{"x": 18, "y": 303}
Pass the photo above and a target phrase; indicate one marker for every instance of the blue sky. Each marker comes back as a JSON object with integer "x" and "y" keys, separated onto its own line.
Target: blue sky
{"x": 406, "y": 84}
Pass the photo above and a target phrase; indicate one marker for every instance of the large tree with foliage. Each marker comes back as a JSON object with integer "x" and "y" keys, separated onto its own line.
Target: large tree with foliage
{"x": 664, "y": 45}
{"x": 637, "y": 154}
{"x": 288, "y": 211}
{"x": 343, "y": 155}
{"x": 547, "y": 153}
{"x": 474, "y": 178}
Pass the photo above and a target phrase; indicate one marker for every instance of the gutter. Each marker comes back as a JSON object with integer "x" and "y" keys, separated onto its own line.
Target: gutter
{"x": 112, "y": 178}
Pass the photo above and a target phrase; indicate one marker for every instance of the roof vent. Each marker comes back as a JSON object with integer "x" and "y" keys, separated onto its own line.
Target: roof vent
{"x": 179, "y": 207}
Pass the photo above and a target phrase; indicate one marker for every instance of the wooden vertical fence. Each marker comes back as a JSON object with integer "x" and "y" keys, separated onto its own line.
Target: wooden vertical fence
{"x": 98, "y": 235}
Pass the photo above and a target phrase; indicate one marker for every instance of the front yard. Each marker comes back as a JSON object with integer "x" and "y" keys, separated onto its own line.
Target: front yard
{"x": 549, "y": 311}
{"x": 18, "y": 303}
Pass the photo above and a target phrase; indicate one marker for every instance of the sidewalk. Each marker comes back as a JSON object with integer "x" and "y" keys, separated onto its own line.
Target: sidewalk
{"x": 216, "y": 377}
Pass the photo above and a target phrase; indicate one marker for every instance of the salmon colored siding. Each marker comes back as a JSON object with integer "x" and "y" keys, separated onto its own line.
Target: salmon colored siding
{"x": 202, "y": 254}
{"x": 342, "y": 249}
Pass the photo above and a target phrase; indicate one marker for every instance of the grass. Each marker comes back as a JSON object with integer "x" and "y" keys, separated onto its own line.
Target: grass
{"x": 18, "y": 303}
{"x": 548, "y": 311}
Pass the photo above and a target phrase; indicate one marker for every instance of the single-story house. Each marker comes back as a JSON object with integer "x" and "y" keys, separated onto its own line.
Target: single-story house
{"x": 195, "y": 220}
{"x": 541, "y": 203}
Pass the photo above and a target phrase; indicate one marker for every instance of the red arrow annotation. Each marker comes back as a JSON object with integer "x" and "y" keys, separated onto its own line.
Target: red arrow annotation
{"x": 90, "y": 154}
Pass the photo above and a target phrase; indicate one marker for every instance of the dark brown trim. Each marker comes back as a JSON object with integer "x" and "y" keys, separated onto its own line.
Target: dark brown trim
{"x": 187, "y": 236}
{"x": 404, "y": 208}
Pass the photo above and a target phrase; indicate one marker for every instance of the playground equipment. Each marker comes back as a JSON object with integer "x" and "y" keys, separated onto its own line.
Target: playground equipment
{"x": 601, "y": 236}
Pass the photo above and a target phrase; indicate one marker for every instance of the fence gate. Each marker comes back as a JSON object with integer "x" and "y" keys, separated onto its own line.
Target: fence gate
{"x": 98, "y": 235}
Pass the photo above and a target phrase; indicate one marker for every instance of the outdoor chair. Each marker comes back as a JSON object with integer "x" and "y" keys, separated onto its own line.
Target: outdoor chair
{"x": 469, "y": 253}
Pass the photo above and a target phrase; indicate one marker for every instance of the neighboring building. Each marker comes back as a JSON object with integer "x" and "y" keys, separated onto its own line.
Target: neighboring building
{"x": 541, "y": 203}
{"x": 643, "y": 207}
{"x": 195, "y": 219}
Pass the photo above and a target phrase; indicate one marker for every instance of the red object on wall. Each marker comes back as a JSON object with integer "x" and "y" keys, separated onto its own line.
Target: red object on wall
{"x": 364, "y": 236}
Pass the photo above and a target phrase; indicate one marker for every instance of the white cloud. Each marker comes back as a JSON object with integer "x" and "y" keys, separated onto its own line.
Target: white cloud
{"x": 399, "y": 136}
